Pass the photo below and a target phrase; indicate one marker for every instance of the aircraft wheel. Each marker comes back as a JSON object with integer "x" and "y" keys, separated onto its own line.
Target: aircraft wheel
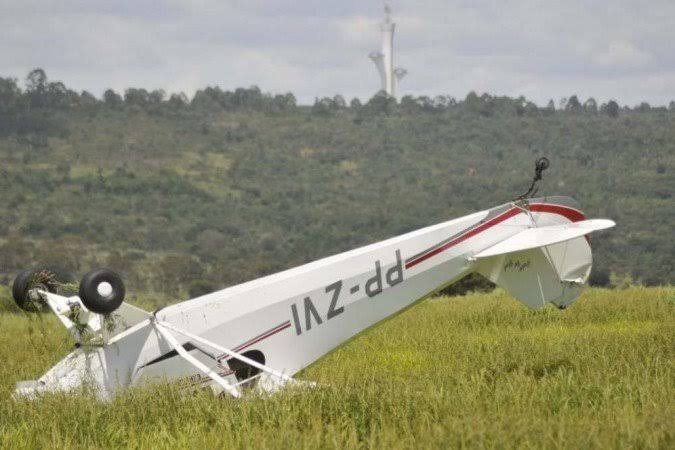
{"x": 30, "y": 279}
{"x": 102, "y": 291}
{"x": 243, "y": 371}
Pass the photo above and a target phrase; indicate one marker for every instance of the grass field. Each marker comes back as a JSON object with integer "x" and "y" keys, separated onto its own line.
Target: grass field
{"x": 476, "y": 371}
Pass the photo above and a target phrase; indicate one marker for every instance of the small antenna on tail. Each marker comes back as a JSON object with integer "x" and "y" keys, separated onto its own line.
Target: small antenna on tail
{"x": 539, "y": 166}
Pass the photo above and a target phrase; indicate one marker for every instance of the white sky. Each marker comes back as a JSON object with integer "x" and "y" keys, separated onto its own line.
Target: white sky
{"x": 621, "y": 49}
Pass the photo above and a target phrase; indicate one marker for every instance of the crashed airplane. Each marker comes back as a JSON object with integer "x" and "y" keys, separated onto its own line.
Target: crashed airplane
{"x": 255, "y": 336}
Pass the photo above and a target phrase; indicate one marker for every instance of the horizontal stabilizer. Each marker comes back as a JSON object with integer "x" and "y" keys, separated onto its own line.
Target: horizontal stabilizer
{"x": 543, "y": 236}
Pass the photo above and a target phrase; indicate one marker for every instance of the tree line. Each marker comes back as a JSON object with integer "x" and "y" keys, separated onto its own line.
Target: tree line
{"x": 20, "y": 108}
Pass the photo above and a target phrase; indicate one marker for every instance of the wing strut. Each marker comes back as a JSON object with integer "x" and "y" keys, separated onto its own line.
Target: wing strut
{"x": 274, "y": 373}
{"x": 163, "y": 330}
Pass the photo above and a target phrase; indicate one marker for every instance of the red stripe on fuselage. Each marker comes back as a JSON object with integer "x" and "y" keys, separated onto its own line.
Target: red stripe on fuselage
{"x": 256, "y": 339}
{"x": 263, "y": 336}
{"x": 574, "y": 215}
{"x": 474, "y": 231}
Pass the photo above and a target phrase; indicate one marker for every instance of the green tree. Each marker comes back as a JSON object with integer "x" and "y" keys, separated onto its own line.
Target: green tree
{"x": 573, "y": 105}
{"x": 206, "y": 100}
{"x": 11, "y": 104}
{"x": 409, "y": 104}
{"x": 178, "y": 101}
{"x": 57, "y": 95}
{"x": 36, "y": 87}
{"x": 322, "y": 107}
{"x": 339, "y": 102}
{"x": 610, "y": 108}
{"x": 112, "y": 98}
{"x": 381, "y": 104}
{"x": 156, "y": 97}
{"x": 36, "y": 80}
{"x": 282, "y": 102}
{"x": 137, "y": 97}
{"x": 591, "y": 106}
{"x": 643, "y": 107}
{"x": 472, "y": 103}
{"x": 87, "y": 100}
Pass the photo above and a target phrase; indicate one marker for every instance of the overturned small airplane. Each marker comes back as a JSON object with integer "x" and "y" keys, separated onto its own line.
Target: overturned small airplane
{"x": 257, "y": 335}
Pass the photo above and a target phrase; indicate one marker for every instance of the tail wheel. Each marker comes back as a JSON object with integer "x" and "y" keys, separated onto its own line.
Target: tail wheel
{"x": 28, "y": 280}
{"x": 102, "y": 291}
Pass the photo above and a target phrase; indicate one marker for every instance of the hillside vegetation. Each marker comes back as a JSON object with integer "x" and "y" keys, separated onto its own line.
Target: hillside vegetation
{"x": 479, "y": 371}
{"x": 184, "y": 196}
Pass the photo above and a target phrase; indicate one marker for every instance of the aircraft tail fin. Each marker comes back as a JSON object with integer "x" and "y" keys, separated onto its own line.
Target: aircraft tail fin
{"x": 542, "y": 265}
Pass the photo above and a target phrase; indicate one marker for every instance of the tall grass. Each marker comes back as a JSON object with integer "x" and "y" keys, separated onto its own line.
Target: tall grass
{"x": 476, "y": 371}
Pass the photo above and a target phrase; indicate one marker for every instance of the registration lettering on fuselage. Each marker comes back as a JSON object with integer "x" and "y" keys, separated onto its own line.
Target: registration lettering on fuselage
{"x": 306, "y": 315}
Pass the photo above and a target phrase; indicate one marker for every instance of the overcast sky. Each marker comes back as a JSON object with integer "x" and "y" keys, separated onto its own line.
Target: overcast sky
{"x": 621, "y": 49}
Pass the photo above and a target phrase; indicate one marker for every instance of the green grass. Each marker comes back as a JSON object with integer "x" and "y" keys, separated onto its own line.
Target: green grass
{"x": 477, "y": 371}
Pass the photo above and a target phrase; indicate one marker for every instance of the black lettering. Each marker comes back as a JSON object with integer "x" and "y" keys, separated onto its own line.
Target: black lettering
{"x": 332, "y": 310}
{"x": 397, "y": 271}
{"x": 310, "y": 311}
{"x": 296, "y": 319}
{"x": 376, "y": 280}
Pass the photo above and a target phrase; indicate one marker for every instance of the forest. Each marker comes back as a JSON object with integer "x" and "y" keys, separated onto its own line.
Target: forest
{"x": 186, "y": 195}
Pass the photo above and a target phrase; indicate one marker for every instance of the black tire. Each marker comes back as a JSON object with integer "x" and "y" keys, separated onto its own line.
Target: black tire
{"x": 92, "y": 298}
{"x": 243, "y": 371}
{"x": 30, "y": 279}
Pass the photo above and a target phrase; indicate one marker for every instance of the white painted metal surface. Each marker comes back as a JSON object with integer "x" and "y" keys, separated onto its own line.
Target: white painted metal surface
{"x": 542, "y": 236}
